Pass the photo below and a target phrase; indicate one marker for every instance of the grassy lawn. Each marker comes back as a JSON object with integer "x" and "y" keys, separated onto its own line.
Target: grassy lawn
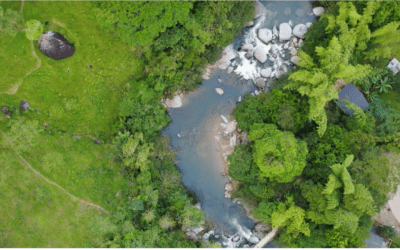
{"x": 35, "y": 213}
{"x": 84, "y": 101}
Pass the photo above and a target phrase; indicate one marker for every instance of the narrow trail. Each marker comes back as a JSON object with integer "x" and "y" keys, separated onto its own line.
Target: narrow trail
{"x": 14, "y": 89}
{"x": 26, "y": 163}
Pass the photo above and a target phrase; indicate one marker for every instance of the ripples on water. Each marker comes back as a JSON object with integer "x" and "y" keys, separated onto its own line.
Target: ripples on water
{"x": 199, "y": 161}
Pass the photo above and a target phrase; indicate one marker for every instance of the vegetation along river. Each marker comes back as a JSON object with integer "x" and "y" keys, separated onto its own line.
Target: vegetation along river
{"x": 193, "y": 132}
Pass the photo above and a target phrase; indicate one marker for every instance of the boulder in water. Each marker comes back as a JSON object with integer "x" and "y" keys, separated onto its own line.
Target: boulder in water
{"x": 308, "y": 24}
{"x": 260, "y": 55}
{"x": 318, "y": 11}
{"x": 55, "y": 46}
{"x": 247, "y": 47}
{"x": 294, "y": 60}
{"x": 285, "y": 32}
{"x": 228, "y": 186}
{"x": 266, "y": 72}
{"x": 248, "y": 55}
{"x": 299, "y": 30}
{"x": 260, "y": 83}
{"x": 219, "y": 91}
{"x": 265, "y": 35}
{"x": 176, "y": 102}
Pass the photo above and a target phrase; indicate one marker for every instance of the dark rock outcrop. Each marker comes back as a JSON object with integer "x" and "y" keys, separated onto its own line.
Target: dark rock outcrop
{"x": 25, "y": 105}
{"x": 55, "y": 46}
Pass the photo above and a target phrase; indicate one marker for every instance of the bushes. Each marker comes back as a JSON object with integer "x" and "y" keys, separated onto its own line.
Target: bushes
{"x": 386, "y": 232}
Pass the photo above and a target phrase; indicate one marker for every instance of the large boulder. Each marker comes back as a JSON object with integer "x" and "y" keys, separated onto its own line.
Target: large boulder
{"x": 318, "y": 11}
{"x": 55, "y": 46}
{"x": 25, "y": 105}
{"x": 265, "y": 35}
{"x": 299, "y": 30}
{"x": 260, "y": 55}
{"x": 266, "y": 72}
{"x": 285, "y": 32}
{"x": 247, "y": 47}
{"x": 260, "y": 83}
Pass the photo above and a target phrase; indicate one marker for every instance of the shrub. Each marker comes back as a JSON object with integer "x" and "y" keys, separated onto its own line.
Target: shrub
{"x": 386, "y": 231}
{"x": 33, "y": 29}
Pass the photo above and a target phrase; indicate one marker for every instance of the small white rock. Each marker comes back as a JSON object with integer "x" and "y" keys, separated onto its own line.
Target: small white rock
{"x": 300, "y": 43}
{"x": 318, "y": 11}
{"x": 265, "y": 35}
{"x": 247, "y": 47}
{"x": 299, "y": 30}
{"x": 294, "y": 60}
{"x": 219, "y": 80}
{"x": 239, "y": 98}
{"x": 179, "y": 135}
{"x": 290, "y": 23}
{"x": 266, "y": 72}
{"x": 230, "y": 69}
{"x": 308, "y": 24}
{"x": 219, "y": 91}
{"x": 224, "y": 118}
{"x": 256, "y": 92}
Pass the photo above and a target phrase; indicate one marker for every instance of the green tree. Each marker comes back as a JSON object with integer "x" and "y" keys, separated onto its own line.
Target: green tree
{"x": 386, "y": 41}
{"x": 9, "y": 21}
{"x": 33, "y": 29}
{"x": 279, "y": 155}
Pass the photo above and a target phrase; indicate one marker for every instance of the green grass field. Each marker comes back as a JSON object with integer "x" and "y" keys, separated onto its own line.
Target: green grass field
{"x": 82, "y": 102}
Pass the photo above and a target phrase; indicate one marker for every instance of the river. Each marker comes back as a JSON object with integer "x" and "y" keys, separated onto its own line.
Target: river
{"x": 195, "y": 121}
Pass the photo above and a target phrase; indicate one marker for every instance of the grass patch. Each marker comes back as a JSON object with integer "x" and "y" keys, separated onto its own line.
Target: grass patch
{"x": 35, "y": 213}
{"x": 85, "y": 100}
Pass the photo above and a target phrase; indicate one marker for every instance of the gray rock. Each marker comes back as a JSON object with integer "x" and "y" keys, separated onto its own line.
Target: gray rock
{"x": 290, "y": 23}
{"x": 265, "y": 35}
{"x": 227, "y": 194}
{"x": 299, "y": 30}
{"x": 293, "y": 39}
{"x": 308, "y": 24}
{"x": 236, "y": 238}
{"x": 78, "y": 137}
{"x": 219, "y": 91}
{"x": 293, "y": 51}
{"x": 260, "y": 55}
{"x": 176, "y": 102}
{"x": 394, "y": 66}
{"x": 55, "y": 46}
{"x": 256, "y": 92}
{"x": 198, "y": 206}
{"x": 250, "y": 24}
{"x": 300, "y": 43}
{"x": 228, "y": 186}
{"x": 230, "y": 69}
{"x": 5, "y": 112}
{"x": 286, "y": 46}
{"x": 294, "y": 60}
{"x": 266, "y": 72}
{"x": 231, "y": 127}
{"x": 248, "y": 55}
{"x": 224, "y": 119}
{"x": 97, "y": 141}
{"x": 25, "y": 105}
{"x": 318, "y": 11}
{"x": 269, "y": 83}
{"x": 260, "y": 83}
{"x": 198, "y": 230}
{"x": 285, "y": 32}
{"x": 247, "y": 47}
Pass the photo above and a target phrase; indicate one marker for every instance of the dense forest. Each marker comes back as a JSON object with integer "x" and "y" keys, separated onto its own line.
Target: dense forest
{"x": 311, "y": 169}
{"x": 82, "y": 160}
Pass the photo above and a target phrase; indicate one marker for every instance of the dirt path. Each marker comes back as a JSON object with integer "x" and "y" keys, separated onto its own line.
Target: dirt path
{"x": 26, "y": 163}
{"x": 14, "y": 89}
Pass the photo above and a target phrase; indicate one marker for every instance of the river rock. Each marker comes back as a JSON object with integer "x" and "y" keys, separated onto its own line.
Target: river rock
{"x": 230, "y": 69}
{"x": 260, "y": 83}
{"x": 239, "y": 98}
{"x": 232, "y": 141}
{"x": 286, "y": 46}
{"x": 236, "y": 238}
{"x": 198, "y": 230}
{"x": 248, "y": 55}
{"x": 250, "y": 24}
{"x": 285, "y": 32}
{"x": 253, "y": 239}
{"x": 55, "y": 46}
{"x": 227, "y": 194}
{"x": 231, "y": 127}
{"x": 224, "y": 119}
{"x": 265, "y": 35}
{"x": 259, "y": 9}
{"x": 299, "y": 30}
{"x": 256, "y": 92}
{"x": 176, "y": 102}
{"x": 219, "y": 91}
{"x": 228, "y": 186}
{"x": 260, "y": 55}
{"x": 308, "y": 24}
{"x": 318, "y": 11}
{"x": 208, "y": 234}
{"x": 198, "y": 206}
{"x": 293, "y": 51}
{"x": 266, "y": 72}
{"x": 290, "y": 23}
{"x": 25, "y": 105}
{"x": 294, "y": 60}
{"x": 300, "y": 43}
{"x": 293, "y": 39}
{"x": 275, "y": 31}
{"x": 5, "y": 112}
{"x": 247, "y": 47}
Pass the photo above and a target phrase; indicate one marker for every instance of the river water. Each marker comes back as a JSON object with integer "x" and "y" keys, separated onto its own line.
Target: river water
{"x": 198, "y": 156}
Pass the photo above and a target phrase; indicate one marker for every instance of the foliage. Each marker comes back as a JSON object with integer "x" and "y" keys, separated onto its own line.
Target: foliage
{"x": 278, "y": 155}
{"x": 33, "y": 29}
{"x": 9, "y": 21}
{"x": 358, "y": 141}
{"x": 385, "y": 40}
{"x": 386, "y": 231}
{"x": 359, "y": 119}
{"x": 241, "y": 166}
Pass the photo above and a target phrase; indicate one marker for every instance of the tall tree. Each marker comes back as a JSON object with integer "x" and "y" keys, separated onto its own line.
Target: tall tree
{"x": 9, "y": 22}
